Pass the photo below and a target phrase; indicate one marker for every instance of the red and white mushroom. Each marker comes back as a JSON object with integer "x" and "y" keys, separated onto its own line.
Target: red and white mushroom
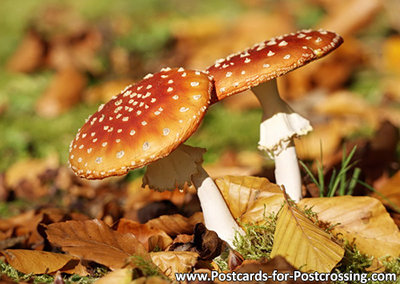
{"x": 257, "y": 68}
{"x": 146, "y": 122}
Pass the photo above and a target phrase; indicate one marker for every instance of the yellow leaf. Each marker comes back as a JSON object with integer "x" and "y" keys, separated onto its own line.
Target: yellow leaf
{"x": 249, "y": 197}
{"x": 303, "y": 244}
{"x": 361, "y": 218}
{"x": 38, "y": 262}
{"x": 171, "y": 262}
{"x": 119, "y": 276}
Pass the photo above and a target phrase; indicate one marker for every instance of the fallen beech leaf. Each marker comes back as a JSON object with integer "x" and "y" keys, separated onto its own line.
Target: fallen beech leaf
{"x": 94, "y": 240}
{"x": 171, "y": 262}
{"x": 303, "y": 244}
{"x": 63, "y": 93}
{"x": 38, "y": 262}
{"x": 249, "y": 197}
{"x": 361, "y": 218}
{"x": 24, "y": 176}
{"x": 176, "y": 224}
{"x": 390, "y": 190}
{"x": 118, "y": 276}
{"x": 325, "y": 137}
{"x": 151, "y": 238}
{"x": 29, "y": 54}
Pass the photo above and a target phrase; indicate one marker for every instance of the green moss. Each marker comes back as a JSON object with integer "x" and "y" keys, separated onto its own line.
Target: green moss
{"x": 15, "y": 275}
{"x": 258, "y": 239}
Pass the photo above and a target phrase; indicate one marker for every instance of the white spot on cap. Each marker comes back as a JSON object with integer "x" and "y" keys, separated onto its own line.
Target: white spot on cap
{"x": 164, "y": 76}
{"x": 170, "y": 81}
{"x": 228, "y": 74}
{"x": 153, "y": 100}
{"x": 148, "y": 76}
{"x": 99, "y": 160}
{"x": 266, "y": 65}
{"x": 222, "y": 89}
{"x": 170, "y": 89}
{"x": 283, "y": 43}
{"x": 165, "y": 69}
{"x": 184, "y": 74}
{"x": 94, "y": 140}
{"x": 126, "y": 118}
{"x": 138, "y": 112}
{"x": 196, "y": 97}
{"x": 144, "y": 122}
{"x": 84, "y": 135}
{"x": 243, "y": 72}
{"x": 183, "y": 109}
{"x": 81, "y": 146}
{"x": 271, "y": 42}
{"x": 146, "y": 146}
{"x": 89, "y": 150}
{"x": 175, "y": 97}
{"x": 270, "y": 53}
{"x": 301, "y": 35}
{"x": 149, "y": 87}
{"x": 120, "y": 154}
{"x": 119, "y": 130}
{"x": 318, "y": 39}
{"x": 104, "y": 144}
{"x": 247, "y": 60}
{"x": 132, "y": 132}
{"x": 194, "y": 84}
{"x": 166, "y": 131}
{"x": 287, "y": 56}
{"x": 100, "y": 107}
{"x": 117, "y": 140}
{"x": 79, "y": 160}
{"x": 181, "y": 69}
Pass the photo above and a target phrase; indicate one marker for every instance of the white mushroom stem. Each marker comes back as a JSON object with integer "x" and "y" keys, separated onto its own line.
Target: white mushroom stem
{"x": 278, "y": 128}
{"x": 217, "y": 216}
{"x": 183, "y": 165}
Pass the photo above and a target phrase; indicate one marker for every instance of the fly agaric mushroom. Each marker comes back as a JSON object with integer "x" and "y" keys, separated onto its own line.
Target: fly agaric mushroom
{"x": 257, "y": 68}
{"x": 146, "y": 123}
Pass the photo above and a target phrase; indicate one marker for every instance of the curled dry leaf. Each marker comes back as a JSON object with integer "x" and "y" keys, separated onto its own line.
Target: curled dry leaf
{"x": 176, "y": 224}
{"x": 391, "y": 191}
{"x": 250, "y": 198}
{"x": 171, "y": 262}
{"x": 64, "y": 92}
{"x": 118, "y": 276}
{"x": 150, "y": 237}
{"x": 94, "y": 240}
{"x": 303, "y": 244}
{"x": 362, "y": 219}
{"x": 40, "y": 262}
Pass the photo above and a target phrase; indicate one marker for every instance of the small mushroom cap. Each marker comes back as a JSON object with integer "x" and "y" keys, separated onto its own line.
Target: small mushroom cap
{"x": 144, "y": 123}
{"x": 270, "y": 59}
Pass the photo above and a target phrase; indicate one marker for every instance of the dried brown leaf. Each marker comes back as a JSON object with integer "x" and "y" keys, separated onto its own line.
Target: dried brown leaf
{"x": 39, "y": 262}
{"x": 249, "y": 197}
{"x": 151, "y": 238}
{"x": 176, "y": 224}
{"x": 361, "y": 218}
{"x": 171, "y": 262}
{"x": 64, "y": 92}
{"x": 94, "y": 240}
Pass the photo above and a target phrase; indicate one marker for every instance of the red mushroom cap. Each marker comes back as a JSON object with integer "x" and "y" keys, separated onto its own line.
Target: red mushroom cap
{"x": 270, "y": 59}
{"x": 144, "y": 123}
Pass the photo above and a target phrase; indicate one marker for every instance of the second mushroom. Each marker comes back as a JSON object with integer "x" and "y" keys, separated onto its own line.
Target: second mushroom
{"x": 257, "y": 68}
